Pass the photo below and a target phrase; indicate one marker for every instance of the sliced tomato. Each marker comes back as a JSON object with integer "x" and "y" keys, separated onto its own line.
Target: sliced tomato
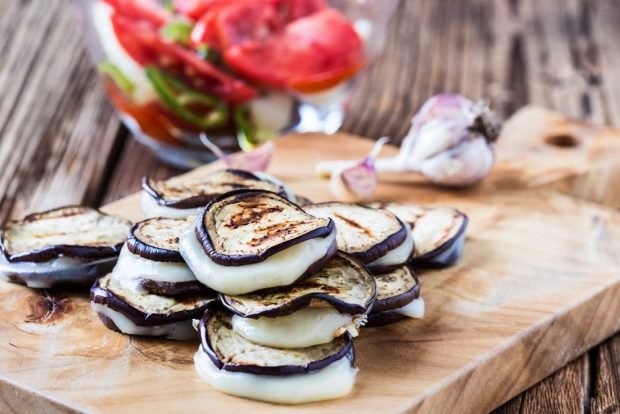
{"x": 144, "y": 45}
{"x": 303, "y": 8}
{"x": 311, "y": 54}
{"x": 205, "y": 31}
{"x": 247, "y": 21}
{"x": 141, "y": 10}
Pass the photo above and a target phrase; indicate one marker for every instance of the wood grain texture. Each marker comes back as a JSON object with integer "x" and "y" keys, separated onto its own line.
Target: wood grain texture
{"x": 562, "y": 54}
{"x": 59, "y": 135}
{"x": 505, "y": 311}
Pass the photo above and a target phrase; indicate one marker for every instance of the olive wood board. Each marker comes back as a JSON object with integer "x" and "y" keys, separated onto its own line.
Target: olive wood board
{"x": 538, "y": 285}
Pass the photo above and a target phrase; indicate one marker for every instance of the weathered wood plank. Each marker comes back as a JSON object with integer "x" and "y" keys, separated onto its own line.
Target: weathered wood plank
{"x": 605, "y": 398}
{"x": 58, "y": 133}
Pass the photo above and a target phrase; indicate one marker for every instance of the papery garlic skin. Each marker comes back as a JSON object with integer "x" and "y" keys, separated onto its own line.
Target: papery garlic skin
{"x": 463, "y": 165}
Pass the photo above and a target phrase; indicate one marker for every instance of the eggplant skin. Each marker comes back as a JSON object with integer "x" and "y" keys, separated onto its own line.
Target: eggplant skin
{"x": 105, "y": 297}
{"x": 198, "y": 200}
{"x": 85, "y": 253}
{"x": 213, "y": 308}
{"x": 203, "y": 237}
{"x": 379, "y": 249}
{"x": 148, "y": 251}
{"x": 303, "y": 301}
{"x": 157, "y": 287}
{"x": 383, "y": 318}
{"x": 429, "y": 260}
{"x": 398, "y": 301}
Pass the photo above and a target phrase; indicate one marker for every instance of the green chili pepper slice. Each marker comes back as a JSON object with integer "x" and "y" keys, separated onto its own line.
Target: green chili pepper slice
{"x": 177, "y": 32}
{"x": 178, "y": 97}
{"x": 118, "y": 77}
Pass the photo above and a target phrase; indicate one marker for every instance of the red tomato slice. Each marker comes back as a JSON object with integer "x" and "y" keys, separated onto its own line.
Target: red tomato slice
{"x": 193, "y": 9}
{"x": 302, "y": 8}
{"x": 141, "y": 10}
{"x": 311, "y": 54}
{"x": 239, "y": 22}
{"x": 143, "y": 44}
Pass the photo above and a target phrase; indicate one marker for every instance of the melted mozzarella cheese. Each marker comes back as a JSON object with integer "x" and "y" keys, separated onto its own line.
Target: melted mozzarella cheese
{"x": 303, "y": 328}
{"x": 143, "y": 91}
{"x": 280, "y": 269}
{"x": 42, "y": 275}
{"x": 130, "y": 264}
{"x": 152, "y": 209}
{"x": 181, "y": 331}
{"x": 397, "y": 256}
{"x": 334, "y": 381}
{"x": 414, "y": 309}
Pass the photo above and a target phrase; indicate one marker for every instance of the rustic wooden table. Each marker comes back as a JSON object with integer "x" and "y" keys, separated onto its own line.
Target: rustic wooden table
{"x": 61, "y": 142}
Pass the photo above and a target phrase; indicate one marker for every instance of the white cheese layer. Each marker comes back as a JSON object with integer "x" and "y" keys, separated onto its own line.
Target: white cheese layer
{"x": 152, "y": 209}
{"x": 43, "y": 275}
{"x": 303, "y": 328}
{"x": 130, "y": 264}
{"x": 333, "y": 381}
{"x": 280, "y": 269}
{"x": 181, "y": 331}
{"x": 414, "y": 309}
{"x": 399, "y": 255}
{"x": 143, "y": 90}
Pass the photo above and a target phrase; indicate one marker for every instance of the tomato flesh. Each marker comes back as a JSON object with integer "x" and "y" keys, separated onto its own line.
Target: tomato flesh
{"x": 312, "y": 53}
{"x": 141, "y": 10}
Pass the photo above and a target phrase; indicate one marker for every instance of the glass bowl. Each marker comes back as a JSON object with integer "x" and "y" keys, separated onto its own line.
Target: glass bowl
{"x": 231, "y": 69}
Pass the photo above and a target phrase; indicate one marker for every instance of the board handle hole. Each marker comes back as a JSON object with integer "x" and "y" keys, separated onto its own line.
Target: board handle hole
{"x": 562, "y": 141}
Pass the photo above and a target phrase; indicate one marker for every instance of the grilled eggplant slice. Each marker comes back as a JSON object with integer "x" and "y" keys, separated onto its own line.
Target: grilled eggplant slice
{"x": 157, "y": 239}
{"x": 374, "y": 236}
{"x": 439, "y": 232}
{"x": 343, "y": 284}
{"x": 151, "y": 260}
{"x": 82, "y": 233}
{"x": 398, "y": 297}
{"x": 250, "y": 240}
{"x": 395, "y": 289}
{"x": 176, "y": 200}
{"x": 234, "y": 365}
{"x": 69, "y": 245}
{"x": 133, "y": 313}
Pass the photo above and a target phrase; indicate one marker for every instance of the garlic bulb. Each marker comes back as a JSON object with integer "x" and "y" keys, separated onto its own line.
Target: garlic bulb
{"x": 451, "y": 142}
{"x": 257, "y": 159}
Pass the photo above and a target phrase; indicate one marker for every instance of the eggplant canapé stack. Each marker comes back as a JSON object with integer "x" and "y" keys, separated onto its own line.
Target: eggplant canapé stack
{"x": 376, "y": 237}
{"x": 248, "y": 240}
{"x": 330, "y": 303}
{"x": 177, "y": 200}
{"x": 66, "y": 246}
{"x": 234, "y": 365}
{"x": 439, "y": 232}
{"x": 151, "y": 291}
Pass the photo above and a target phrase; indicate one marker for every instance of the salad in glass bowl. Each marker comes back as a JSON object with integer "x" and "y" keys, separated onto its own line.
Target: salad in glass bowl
{"x": 239, "y": 71}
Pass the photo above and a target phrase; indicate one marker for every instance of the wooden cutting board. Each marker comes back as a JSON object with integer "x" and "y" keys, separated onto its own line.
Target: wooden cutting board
{"x": 539, "y": 284}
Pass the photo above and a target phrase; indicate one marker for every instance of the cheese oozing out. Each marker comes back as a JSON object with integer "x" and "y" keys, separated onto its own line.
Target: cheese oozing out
{"x": 143, "y": 91}
{"x": 306, "y": 327}
{"x": 130, "y": 264}
{"x": 180, "y": 331}
{"x": 333, "y": 381}
{"x": 152, "y": 209}
{"x": 268, "y": 177}
{"x": 397, "y": 256}
{"x": 280, "y": 269}
{"x": 414, "y": 309}
{"x": 42, "y": 275}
